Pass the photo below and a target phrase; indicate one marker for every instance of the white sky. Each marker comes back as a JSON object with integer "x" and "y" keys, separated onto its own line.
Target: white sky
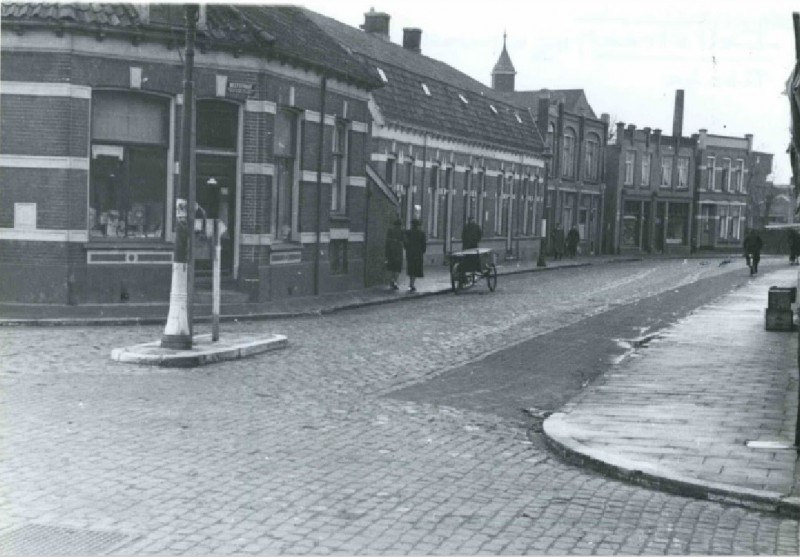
{"x": 732, "y": 58}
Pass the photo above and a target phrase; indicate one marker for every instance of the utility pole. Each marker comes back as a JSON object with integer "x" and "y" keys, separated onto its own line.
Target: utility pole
{"x": 178, "y": 330}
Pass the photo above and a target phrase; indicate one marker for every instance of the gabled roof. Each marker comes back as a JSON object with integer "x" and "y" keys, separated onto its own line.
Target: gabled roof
{"x": 278, "y": 32}
{"x": 403, "y": 100}
{"x": 574, "y": 100}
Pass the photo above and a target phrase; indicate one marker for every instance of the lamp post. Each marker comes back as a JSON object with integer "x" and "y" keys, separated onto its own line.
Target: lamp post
{"x": 547, "y": 155}
{"x": 178, "y": 330}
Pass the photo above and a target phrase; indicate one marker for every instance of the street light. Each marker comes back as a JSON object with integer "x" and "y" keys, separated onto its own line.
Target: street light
{"x": 178, "y": 330}
{"x": 547, "y": 155}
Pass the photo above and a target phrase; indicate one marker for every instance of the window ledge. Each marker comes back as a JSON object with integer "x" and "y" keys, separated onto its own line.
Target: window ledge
{"x": 339, "y": 218}
{"x": 133, "y": 244}
{"x": 286, "y": 246}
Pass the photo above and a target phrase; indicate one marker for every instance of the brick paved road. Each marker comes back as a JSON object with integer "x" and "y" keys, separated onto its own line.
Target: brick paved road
{"x": 298, "y": 452}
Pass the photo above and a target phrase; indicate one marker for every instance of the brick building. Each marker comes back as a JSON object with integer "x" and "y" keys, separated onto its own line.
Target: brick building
{"x": 91, "y": 106}
{"x": 576, "y": 139}
{"x": 448, "y": 146}
{"x": 727, "y": 168}
{"x": 679, "y": 194}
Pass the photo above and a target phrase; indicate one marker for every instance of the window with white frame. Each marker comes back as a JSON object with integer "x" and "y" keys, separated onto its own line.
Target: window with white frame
{"x": 592, "y": 159}
{"x": 722, "y": 211}
{"x": 469, "y": 195}
{"x": 391, "y": 172}
{"x": 734, "y": 222}
{"x": 726, "y": 174}
{"x": 340, "y": 166}
{"x": 128, "y": 172}
{"x": 568, "y": 156}
{"x": 480, "y": 193}
{"x": 630, "y": 160}
{"x": 433, "y": 202}
{"x": 683, "y": 172}
{"x": 287, "y": 149}
{"x": 738, "y": 176}
{"x": 498, "y": 205}
{"x": 711, "y": 173}
{"x": 645, "y": 178}
{"x": 666, "y": 172}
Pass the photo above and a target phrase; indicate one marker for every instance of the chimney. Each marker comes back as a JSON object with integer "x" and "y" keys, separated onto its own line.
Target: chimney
{"x": 749, "y": 138}
{"x": 647, "y": 136}
{"x": 605, "y": 117}
{"x": 412, "y": 37}
{"x": 376, "y": 23}
{"x": 677, "y": 117}
{"x": 632, "y": 131}
{"x": 543, "y": 114}
{"x": 620, "y": 132}
{"x": 702, "y": 139}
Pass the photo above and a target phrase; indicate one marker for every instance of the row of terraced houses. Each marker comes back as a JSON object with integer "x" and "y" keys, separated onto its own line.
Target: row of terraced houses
{"x": 294, "y": 109}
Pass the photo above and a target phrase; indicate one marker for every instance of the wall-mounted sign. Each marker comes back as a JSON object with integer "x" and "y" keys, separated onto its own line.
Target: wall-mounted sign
{"x": 240, "y": 89}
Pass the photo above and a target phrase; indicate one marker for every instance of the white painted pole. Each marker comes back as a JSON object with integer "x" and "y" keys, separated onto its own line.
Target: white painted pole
{"x": 215, "y": 285}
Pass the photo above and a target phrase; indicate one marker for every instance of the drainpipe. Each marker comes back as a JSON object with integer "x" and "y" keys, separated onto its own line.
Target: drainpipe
{"x": 321, "y": 145}
{"x": 422, "y": 179}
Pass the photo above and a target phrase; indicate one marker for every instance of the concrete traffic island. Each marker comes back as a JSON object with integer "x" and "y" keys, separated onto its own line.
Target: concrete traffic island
{"x": 203, "y": 351}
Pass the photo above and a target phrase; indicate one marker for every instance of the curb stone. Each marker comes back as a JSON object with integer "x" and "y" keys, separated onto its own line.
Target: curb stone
{"x": 202, "y": 353}
{"x": 648, "y": 475}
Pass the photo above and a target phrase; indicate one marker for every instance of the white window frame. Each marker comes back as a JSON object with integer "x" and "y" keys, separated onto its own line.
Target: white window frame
{"x": 294, "y": 187}
{"x": 666, "y": 172}
{"x": 644, "y": 179}
{"x": 722, "y": 212}
{"x": 630, "y": 162}
{"x": 340, "y": 166}
{"x": 683, "y": 172}
{"x": 739, "y": 185}
{"x": 711, "y": 176}
{"x": 726, "y": 169}
{"x": 592, "y": 158}
{"x": 569, "y": 142}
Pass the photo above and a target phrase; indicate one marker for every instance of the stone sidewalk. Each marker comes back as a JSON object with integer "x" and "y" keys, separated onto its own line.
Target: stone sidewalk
{"x": 436, "y": 281}
{"x": 681, "y": 411}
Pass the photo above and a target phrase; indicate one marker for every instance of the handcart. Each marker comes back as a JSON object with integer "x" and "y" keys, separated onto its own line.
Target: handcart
{"x": 469, "y": 266}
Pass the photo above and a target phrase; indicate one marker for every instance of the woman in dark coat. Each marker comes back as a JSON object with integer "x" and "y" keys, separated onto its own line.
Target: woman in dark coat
{"x": 415, "y": 244}
{"x": 394, "y": 252}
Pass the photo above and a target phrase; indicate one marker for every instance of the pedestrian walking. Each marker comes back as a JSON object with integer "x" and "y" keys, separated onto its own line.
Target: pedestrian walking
{"x": 752, "y": 250}
{"x": 415, "y": 243}
{"x": 573, "y": 237}
{"x": 557, "y": 239}
{"x": 794, "y": 246}
{"x": 471, "y": 234}
{"x": 394, "y": 252}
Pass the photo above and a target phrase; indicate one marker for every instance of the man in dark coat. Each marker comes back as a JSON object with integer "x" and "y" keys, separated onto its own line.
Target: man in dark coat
{"x": 573, "y": 237}
{"x": 394, "y": 252}
{"x": 752, "y": 250}
{"x": 416, "y": 243}
{"x": 794, "y": 246}
{"x": 471, "y": 235}
{"x": 557, "y": 238}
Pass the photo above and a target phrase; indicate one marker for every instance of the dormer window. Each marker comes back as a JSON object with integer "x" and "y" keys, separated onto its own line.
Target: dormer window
{"x": 493, "y": 108}
{"x": 425, "y": 88}
{"x": 383, "y": 75}
{"x": 463, "y": 98}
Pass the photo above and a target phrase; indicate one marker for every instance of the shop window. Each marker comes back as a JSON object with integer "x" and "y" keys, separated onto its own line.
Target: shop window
{"x": 128, "y": 173}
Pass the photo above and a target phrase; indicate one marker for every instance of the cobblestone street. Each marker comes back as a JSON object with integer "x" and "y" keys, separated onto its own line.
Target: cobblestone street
{"x": 301, "y": 452}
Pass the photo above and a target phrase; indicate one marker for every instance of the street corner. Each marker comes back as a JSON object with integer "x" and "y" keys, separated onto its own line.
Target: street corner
{"x": 203, "y": 352}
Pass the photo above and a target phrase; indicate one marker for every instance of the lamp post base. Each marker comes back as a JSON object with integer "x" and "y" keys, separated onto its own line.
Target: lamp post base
{"x": 177, "y": 332}
{"x": 540, "y": 262}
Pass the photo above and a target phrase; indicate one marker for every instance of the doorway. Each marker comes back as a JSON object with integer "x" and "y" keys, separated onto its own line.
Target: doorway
{"x": 216, "y": 194}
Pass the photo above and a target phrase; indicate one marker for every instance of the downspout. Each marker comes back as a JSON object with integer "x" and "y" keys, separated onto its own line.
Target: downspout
{"x": 321, "y": 144}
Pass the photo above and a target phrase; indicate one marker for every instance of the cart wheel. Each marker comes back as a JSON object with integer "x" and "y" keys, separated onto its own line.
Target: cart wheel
{"x": 455, "y": 277}
{"x": 491, "y": 277}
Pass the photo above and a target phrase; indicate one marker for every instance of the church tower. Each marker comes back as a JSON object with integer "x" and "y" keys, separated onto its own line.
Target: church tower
{"x": 503, "y": 72}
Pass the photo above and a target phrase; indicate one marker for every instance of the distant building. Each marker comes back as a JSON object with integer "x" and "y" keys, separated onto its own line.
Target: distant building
{"x": 780, "y": 204}
{"x": 448, "y": 146}
{"x": 727, "y": 172}
{"x": 89, "y": 149}
{"x": 576, "y": 139}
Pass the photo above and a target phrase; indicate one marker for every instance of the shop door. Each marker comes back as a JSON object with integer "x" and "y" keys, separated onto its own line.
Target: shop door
{"x": 216, "y": 194}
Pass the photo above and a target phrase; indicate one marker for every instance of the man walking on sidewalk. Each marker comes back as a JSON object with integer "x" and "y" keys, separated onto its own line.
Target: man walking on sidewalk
{"x": 752, "y": 250}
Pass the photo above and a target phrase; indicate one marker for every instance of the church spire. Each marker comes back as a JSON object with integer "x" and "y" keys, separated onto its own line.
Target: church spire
{"x": 503, "y": 72}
